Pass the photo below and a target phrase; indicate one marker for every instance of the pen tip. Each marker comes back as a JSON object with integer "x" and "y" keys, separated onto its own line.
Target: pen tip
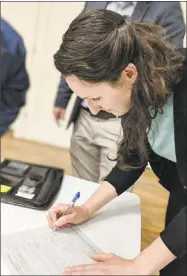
{"x": 54, "y": 228}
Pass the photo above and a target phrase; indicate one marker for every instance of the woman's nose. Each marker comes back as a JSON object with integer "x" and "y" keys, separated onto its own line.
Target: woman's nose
{"x": 94, "y": 108}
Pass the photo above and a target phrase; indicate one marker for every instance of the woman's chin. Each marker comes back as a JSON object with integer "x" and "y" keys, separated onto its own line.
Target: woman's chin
{"x": 117, "y": 113}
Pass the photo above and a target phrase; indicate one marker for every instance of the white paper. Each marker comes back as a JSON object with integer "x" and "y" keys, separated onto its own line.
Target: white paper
{"x": 41, "y": 251}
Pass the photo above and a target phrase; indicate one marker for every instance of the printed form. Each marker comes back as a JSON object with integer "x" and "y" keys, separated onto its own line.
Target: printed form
{"x": 40, "y": 251}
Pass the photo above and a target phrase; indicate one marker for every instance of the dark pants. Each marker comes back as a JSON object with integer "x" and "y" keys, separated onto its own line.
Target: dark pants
{"x": 177, "y": 200}
{"x": 7, "y": 117}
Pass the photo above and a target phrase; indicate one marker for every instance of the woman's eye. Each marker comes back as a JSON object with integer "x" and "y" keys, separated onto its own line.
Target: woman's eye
{"x": 96, "y": 99}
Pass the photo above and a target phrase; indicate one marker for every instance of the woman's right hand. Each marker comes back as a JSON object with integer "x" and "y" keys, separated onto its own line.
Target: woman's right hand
{"x": 76, "y": 215}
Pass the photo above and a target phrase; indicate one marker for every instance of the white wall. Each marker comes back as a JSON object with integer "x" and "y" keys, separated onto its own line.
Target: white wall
{"x": 42, "y": 24}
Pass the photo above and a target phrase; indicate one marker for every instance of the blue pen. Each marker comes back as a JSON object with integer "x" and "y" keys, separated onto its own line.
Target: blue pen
{"x": 72, "y": 203}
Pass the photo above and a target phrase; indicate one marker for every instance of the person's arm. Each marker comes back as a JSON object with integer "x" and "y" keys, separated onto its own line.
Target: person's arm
{"x": 17, "y": 81}
{"x": 122, "y": 180}
{"x": 20, "y": 48}
{"x": 153, "y": 258}
{"x": 63, "y": 95}
{"x": 173, "y": 22}
{"x": 117, "y": 182}
{"x": 175, "y": 234}
{"x": 170, "y": 245}
{"x": 62, "y": 99}
{"x": 104, "y": 194}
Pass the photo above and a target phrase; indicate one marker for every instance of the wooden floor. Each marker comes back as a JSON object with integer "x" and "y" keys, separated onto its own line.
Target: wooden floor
{"x": 153, "y": 197}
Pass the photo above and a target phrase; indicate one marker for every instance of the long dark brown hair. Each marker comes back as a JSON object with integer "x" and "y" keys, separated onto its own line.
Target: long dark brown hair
{"x": 98, "y": 45}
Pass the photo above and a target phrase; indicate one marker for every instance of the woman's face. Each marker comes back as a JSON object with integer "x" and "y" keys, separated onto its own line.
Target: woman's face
{"x": 114, "y": 99}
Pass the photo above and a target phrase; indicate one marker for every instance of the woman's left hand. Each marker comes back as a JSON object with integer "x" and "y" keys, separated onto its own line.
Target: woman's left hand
{"x": 106, "y": 264}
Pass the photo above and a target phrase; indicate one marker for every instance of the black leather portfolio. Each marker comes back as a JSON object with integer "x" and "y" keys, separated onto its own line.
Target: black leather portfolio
{"x": 29, "y": 185}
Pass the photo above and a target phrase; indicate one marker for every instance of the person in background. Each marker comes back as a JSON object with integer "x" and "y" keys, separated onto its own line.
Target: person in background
{"x": 14, "y": 79}
{"x": 129, "y": 68}
{"x": 95, "y": 136}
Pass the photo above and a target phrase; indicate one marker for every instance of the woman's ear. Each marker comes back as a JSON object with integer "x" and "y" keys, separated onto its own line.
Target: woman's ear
{"x": 130, "y": 73}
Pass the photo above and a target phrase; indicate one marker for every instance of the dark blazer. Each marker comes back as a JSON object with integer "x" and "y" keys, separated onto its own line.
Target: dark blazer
{"x": 14, "y": 79}
{"x": 162, "y": 167}
{"x": 12, "y": 41}
{"x": 167, "y": 14}
{"x": 14, "y": 82}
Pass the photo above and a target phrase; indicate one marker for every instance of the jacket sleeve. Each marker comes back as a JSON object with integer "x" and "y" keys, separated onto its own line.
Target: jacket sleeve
{"x": 122, "y": 180}
{"x": 175, "y": 235}
{"x": 173, "y": 22}
{"x": 17, "y": 82}
{"x": 63, "y": 94}
{"x": 20, "y": 48}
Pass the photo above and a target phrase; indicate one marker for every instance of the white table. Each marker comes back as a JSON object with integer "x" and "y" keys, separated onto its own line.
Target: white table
{"x": 117, "y": 229}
